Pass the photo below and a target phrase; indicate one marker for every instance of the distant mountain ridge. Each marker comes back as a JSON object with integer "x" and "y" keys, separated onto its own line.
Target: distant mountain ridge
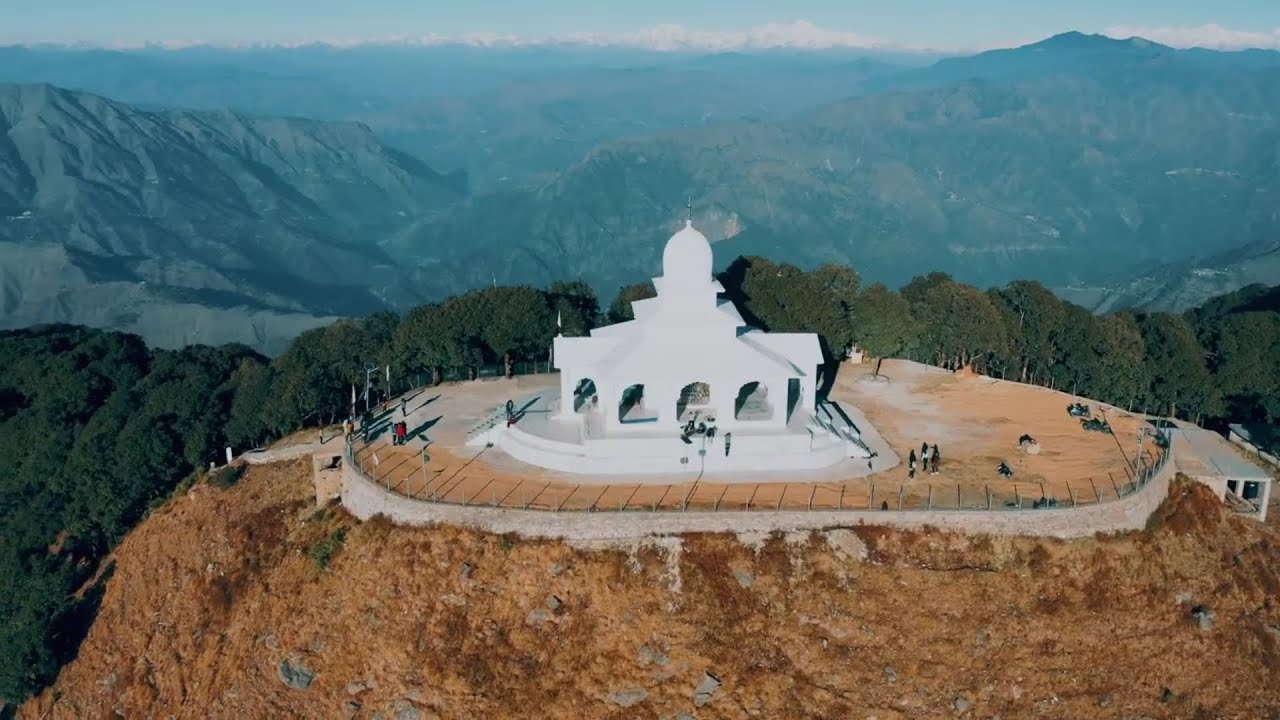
{"x": 1079, "y": 161}
{"x": 1062, "y": 178}
{"x": 106, "y": 210}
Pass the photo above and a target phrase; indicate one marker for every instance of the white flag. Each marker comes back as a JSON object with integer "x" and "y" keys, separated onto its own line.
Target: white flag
{"x": 558, "y": 324}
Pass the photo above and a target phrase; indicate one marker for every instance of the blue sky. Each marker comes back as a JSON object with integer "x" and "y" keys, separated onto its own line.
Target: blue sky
{"x": 943, "y": 24}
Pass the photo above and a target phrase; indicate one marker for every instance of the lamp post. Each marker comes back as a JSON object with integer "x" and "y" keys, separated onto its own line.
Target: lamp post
{"x": 369, "y": 370}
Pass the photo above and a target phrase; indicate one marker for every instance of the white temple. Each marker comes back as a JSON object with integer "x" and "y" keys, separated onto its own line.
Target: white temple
{"x": 685, "y": 386}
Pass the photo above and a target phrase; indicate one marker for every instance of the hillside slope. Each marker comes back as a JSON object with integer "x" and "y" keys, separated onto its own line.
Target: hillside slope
{"x": 108, "y": 213}
{"x": 1182, "y": 285}
{"x": 214, "y": 592}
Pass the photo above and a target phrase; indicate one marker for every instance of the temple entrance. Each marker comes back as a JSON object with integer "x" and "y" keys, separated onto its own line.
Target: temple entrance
{"x": 584, "y": 396}
{"x": 693, "y": 397}
{"x": 753, "y": 402}
{"x": 631, "y": 407}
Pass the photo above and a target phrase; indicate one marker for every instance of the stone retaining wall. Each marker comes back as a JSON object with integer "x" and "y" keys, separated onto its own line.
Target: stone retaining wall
{"x": 365, "y": 498}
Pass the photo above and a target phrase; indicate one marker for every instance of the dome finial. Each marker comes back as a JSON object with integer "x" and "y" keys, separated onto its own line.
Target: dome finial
{"x": 688, "y": 211}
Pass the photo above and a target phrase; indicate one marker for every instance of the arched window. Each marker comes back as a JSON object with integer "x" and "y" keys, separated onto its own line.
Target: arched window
{"x": 631, "y": 407}
{"x": 694, "y": 396}
{"x": 753, "y": 402}
{"x": 583, "y": 395}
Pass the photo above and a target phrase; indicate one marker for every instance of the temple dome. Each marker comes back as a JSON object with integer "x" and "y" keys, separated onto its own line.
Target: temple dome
{"x": 687, "y": 258}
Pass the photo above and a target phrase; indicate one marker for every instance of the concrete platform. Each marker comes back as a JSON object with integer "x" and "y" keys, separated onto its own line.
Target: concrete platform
{"x": 582, "y": 444}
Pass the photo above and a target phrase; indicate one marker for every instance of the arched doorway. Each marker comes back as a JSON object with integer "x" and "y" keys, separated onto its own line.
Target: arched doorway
{"x": 753, "y": 402}
{"x": 793, "y": 396}
{"x": 693, "y": 397}
{"x": 584, "y": 395}
{"x": 631, "y": 406}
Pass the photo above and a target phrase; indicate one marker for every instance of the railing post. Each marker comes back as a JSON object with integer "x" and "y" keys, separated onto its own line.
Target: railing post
{"x": 900, "y": 491}
{"x": 871, "y": 495}
{"x": 930, "y": 502}
{"x": 840, "y": 502}
{"x": 959, "y": 504}
{"x": 988, "y": 488}
{"x": 1017, "y": 499}
{"x": 1096, "y": 497}
{"x": 812, "y": 490}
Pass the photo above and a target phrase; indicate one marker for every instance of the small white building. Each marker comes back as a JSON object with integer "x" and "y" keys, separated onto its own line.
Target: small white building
{"x": 686, "y": 385}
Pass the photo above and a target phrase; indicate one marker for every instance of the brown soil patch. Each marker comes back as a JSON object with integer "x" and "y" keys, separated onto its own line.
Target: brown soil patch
{"x": 214, "y": 591}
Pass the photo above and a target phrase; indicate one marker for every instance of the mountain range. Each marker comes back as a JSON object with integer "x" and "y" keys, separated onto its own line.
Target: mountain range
{"x": 246, "y": 195}
{"x": 154, "y": 221}
{"x": 1151, "y": 162}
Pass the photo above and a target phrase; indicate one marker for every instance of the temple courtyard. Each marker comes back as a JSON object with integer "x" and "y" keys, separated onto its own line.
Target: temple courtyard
{"x": 975, "y": 421}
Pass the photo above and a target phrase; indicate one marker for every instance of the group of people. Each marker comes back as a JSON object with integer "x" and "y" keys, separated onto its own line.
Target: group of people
{"x": 930, "y": 458}
{"x": 400, "y": 433}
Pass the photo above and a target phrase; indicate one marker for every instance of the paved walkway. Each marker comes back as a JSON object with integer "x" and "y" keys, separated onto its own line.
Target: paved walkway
{"x": 1208, "y": 453}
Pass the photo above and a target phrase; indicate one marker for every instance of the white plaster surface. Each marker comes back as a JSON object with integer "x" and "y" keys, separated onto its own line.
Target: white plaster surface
{"x": 628, "y": 389}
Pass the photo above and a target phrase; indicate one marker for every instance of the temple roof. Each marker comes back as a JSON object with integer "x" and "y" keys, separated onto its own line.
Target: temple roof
{"x": 687, "y": 258}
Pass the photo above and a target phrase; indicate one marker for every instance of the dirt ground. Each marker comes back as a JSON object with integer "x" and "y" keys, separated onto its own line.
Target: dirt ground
{"x": 976, "y": 422}
{"x": 213, "y": 592}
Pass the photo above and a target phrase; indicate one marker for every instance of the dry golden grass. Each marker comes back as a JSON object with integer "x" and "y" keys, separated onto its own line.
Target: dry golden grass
{"x": 213, "y": 591}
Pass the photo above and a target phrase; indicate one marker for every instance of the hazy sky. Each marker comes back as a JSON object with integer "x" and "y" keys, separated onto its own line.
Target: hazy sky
{"x": 942, "y": 24}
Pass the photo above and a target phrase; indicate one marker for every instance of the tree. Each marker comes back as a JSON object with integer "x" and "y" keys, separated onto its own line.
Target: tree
{"x": 515, "y": 322}
{"x": 958, "y": 324}
{"x": 881, "y": 324}
{"x": 1176, "y": 365}
{"x": 575, "y": 304}
{"x": 1036, "y": 339}
{"x": 779, "y": 297}
{"x": 251, "y": 385}
{"x": 1247, "y": 365}
{"x": 620, "y": 308}
{"x": 1121, "y": 352}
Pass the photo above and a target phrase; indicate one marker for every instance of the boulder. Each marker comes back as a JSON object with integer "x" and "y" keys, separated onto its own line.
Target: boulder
{"x": 1202, "y": 617}
{"x": 649, "y": 656}
{"x": 702, "y": 694}
{"x": 295, "y": 674}
{"x": 405, "y": 710}
{"x": 628, "y": 697}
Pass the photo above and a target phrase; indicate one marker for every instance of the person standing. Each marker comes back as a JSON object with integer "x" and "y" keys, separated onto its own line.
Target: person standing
{"x": 911, "y": 465}
{"x": 403, "y": 404}
{"x": 935, "y": 458}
